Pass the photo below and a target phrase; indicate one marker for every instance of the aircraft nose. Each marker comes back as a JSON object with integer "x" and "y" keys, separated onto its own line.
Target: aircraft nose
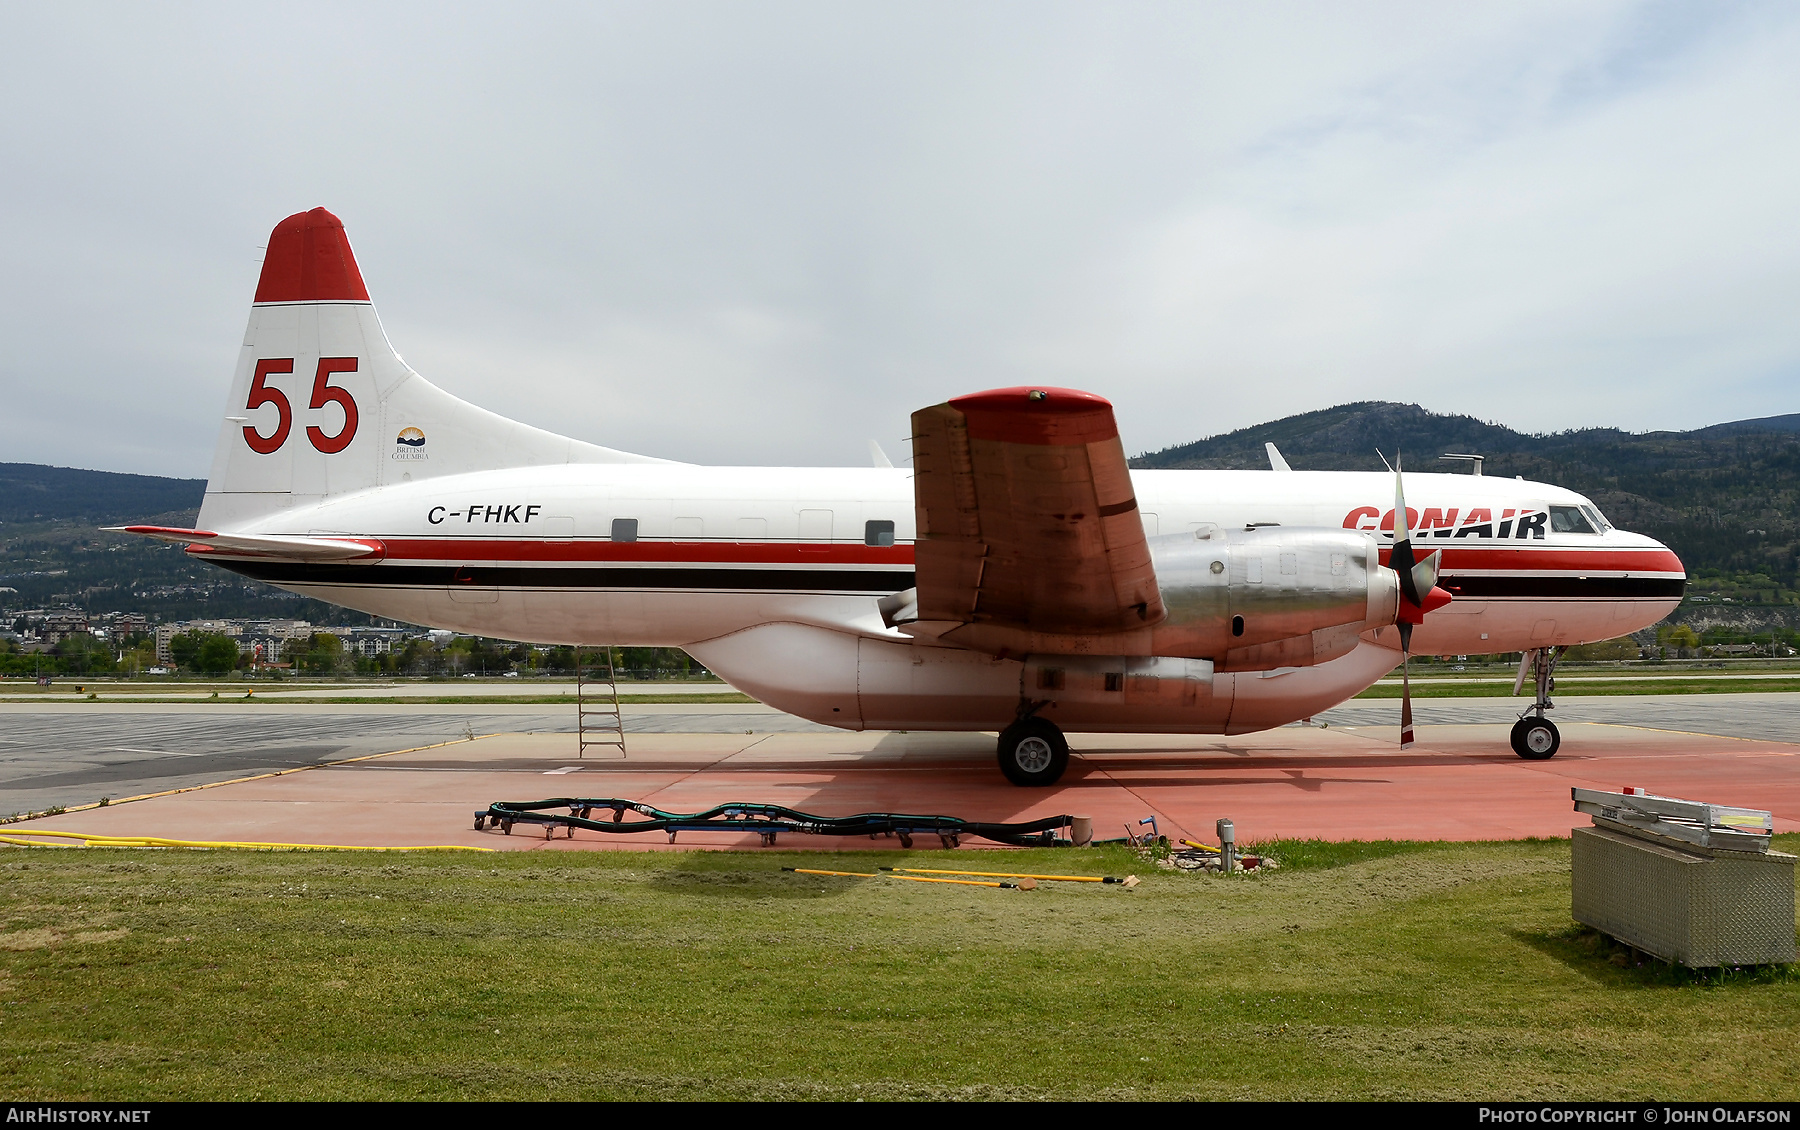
{"x": 1655, "y": 576}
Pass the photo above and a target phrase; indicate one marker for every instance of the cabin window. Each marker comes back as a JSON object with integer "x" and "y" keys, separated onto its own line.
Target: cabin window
{"x": 878, "y": 532}
{"x": 1570, "y": 520}
{"x": 1115, "y": 680}
{"x": 624, "y": 529}
{"x": 1050, "y": 678}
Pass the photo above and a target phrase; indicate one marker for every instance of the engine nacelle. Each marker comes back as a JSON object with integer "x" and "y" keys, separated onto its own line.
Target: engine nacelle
{"x": 1270, "y": 596}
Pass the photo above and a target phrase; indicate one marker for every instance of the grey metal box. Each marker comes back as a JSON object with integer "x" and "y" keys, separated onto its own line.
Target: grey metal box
{"x": 1682, "y": 902}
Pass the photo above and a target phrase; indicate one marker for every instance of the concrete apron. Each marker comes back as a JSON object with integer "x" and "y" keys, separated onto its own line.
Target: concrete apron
{"x": 1458, "y": 783}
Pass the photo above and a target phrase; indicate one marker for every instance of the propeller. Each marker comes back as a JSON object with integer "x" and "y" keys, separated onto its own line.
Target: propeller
{"x": 1419, "y": 594}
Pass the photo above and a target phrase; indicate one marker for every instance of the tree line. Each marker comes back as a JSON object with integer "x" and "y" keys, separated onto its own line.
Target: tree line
{"x": 325, "y": 654}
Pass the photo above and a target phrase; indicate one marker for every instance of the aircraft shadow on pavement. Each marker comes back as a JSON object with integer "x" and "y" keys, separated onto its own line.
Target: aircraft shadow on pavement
{"x": 1108, "y": 763}
{"x": 1295, "y": 777}
{"x": 157, "y": 769}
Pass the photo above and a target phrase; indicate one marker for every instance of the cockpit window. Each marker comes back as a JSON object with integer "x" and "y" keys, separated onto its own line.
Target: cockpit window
{"x": 1570, "y": 520}
{"x": 1599, "y": 519}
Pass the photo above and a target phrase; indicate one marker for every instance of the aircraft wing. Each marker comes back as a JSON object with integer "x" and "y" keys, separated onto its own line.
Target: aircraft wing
{"x": 1027, "y": 518}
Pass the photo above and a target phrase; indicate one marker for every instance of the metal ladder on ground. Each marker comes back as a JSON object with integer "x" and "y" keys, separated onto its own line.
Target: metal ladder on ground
{"x": 598, "y": 722}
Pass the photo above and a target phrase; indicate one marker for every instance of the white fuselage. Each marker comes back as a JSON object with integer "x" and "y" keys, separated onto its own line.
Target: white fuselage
{"x": 768, "y": 576}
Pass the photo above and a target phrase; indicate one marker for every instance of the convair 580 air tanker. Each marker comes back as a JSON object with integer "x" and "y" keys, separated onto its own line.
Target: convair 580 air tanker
{"x": 1019, "y": 578}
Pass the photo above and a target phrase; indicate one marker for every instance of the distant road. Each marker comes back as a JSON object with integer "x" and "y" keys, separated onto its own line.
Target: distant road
{"x": 64, "y": 690}
{"x": 1642, "y": 677}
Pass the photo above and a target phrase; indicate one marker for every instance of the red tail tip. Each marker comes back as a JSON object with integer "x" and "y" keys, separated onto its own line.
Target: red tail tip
{"x": 309, "y": 260}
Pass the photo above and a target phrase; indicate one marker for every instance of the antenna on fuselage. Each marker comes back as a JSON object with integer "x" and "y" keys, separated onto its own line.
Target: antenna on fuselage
{"x": 1474, "y": 461}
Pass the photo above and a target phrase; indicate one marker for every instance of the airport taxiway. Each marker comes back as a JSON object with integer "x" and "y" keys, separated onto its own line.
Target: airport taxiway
{"x": 1344, "y": 779}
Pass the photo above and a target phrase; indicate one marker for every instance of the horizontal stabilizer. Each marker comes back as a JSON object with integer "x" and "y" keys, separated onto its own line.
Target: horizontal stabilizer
{"x": 264, "y": 545}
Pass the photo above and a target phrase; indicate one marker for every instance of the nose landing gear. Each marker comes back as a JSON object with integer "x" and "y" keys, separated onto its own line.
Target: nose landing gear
{"x": 1535, "y": 737}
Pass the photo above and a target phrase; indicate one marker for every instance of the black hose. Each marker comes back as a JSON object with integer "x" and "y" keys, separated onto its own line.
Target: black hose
{"x": 767, "y": 820}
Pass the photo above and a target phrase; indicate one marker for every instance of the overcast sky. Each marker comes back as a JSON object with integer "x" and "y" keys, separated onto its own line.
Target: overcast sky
{"x": 764, "y": 233}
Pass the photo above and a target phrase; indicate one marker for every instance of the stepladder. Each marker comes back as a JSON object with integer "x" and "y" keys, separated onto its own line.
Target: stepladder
{"x": 599, "y": 725}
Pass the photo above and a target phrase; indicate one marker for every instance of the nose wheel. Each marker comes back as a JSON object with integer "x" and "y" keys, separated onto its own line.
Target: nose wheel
{"x": 1033, "y": 753}
{"x": 1535, "y": 737}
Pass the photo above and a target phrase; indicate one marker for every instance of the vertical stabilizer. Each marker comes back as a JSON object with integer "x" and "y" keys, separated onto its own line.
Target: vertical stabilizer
{"x": 322, "y": 405}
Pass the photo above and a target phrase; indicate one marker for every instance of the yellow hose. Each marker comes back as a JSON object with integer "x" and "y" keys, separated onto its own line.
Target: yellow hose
{"x": 877, "y": 875}
{"x": 1001, "y": 875}
{"x": 89, "y": 839}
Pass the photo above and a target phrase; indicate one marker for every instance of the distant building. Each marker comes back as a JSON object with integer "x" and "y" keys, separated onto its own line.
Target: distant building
{"x": 167, "y": 632}
{"x": 59, "y": 626}
{"x": 270, "y": 635}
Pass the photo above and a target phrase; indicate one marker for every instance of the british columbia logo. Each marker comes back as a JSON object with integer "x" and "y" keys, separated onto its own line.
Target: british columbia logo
{"x": 410, "y": 444}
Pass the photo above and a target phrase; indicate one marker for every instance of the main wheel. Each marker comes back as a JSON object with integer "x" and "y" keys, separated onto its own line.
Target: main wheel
{"x": 1033, "y": 753}
{"x": 1535, "y": 739}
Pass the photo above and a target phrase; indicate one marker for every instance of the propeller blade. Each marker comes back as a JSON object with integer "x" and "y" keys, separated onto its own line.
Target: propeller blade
{"x": 1425, "y": 573}
{"x": 1406, "y": 726}
{"x": 1402, "y": 559}
{"x": 1406, "y": 723}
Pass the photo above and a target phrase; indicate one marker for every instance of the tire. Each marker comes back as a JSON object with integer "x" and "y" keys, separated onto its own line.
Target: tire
{"x": 1536, "y": 739}
{"x": 1033, "y": 753}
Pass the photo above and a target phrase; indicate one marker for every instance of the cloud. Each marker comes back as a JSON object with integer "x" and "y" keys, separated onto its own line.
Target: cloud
{"x": 765, "y": 233}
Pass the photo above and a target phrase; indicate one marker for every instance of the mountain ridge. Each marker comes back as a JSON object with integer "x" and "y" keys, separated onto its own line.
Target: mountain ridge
{"x": 1725, "y": 497}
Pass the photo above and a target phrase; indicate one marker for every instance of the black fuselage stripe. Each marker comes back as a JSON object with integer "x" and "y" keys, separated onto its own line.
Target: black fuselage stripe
{"x": 515, "y": 577}
{"x": 836, "y": 580}
{"x": 1590, "y": 588}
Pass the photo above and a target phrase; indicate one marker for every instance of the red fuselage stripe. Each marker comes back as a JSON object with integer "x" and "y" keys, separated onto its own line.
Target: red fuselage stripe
{"x": 1551, "y": 560}
{"x": 648, "y": 552}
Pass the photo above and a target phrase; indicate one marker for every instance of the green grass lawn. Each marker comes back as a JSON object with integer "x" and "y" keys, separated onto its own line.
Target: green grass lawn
{"x": 1360, "y": 970}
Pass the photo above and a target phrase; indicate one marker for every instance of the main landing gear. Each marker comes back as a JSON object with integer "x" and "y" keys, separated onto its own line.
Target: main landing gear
{"x": 1535, "y": 737}
{"x": 1033, "y": 752}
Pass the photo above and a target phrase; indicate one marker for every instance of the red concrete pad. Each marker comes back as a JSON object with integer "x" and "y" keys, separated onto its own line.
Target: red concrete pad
{"x": 1458, "y": 783}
